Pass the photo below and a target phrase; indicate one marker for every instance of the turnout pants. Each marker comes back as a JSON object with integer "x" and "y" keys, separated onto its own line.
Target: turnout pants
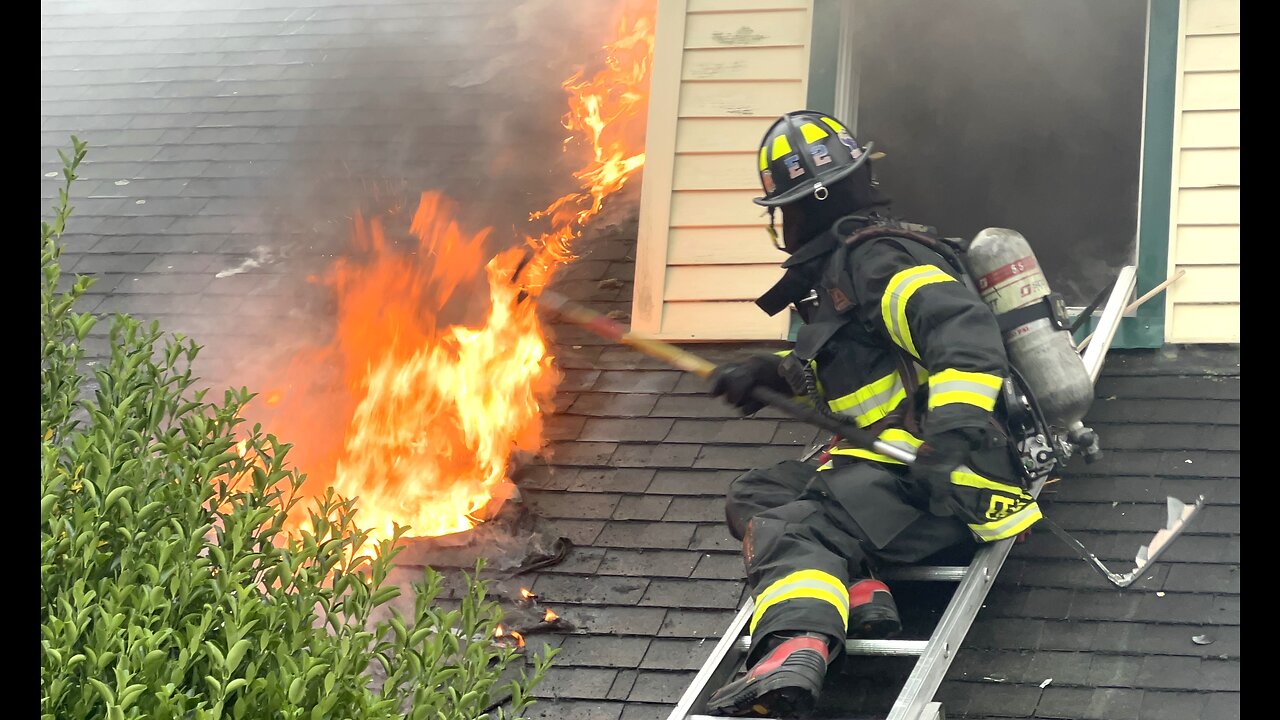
{"x": 806, "y": 535}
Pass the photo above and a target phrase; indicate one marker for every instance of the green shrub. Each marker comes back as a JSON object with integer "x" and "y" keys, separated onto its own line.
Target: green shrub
{"x": 168, "y": 585}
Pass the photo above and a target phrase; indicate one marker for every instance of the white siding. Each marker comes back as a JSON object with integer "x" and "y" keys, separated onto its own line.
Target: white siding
{"x": 1204, "y": 238}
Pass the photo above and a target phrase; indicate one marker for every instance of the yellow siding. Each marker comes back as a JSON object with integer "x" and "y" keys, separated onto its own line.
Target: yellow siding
{"x": 762, "y": 99}
{"x": 750, "y": 63}
{"x": 1211, "y": 129}
{"x": 703, "y": 254}
{"x": 712, "y": 135}
{"x": 716, "y": 171}
{"x": 1210, "y": 168}
{"x": 747, "y": 29}
{"x": 1207, "y": 284}
{"x": 1212, "y": 52}
{"x": 694, "y": 320}
{"x": 1207, "y": 245}
{"x": 1204, "y": 306}
{"x": 716, "y": 282}
{"x": 1210, "y": 17}
{"x": 1213, "y": 323}
{"x": 712, "y": 245}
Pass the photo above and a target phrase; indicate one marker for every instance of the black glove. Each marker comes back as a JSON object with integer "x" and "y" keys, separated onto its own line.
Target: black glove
{"x": 937, "y": 457}
{"x": 735, "y": 381}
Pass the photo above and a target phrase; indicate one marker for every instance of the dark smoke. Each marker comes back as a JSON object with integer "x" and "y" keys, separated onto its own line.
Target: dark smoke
{"x": 1023, "y": 114}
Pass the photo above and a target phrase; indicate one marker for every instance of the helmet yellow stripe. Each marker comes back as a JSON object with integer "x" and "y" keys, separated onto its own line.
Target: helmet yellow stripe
{"x": 812, "y": 133}
{"x": 833, "y": 124}
{"x": 781, "y": 147}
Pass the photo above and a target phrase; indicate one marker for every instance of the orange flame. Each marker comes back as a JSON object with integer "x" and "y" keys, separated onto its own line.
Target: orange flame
{"x": 550, "y": 616}
{"x": 435, "y": 411}
{"x": 609, "y": 110}
{"x": 526, "y": 593}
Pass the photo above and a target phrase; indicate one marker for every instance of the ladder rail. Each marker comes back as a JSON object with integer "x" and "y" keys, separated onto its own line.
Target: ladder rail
{"x": 700, "y": 688}
{"x": 925, "y": 678}
{"x": 915, "y": 701}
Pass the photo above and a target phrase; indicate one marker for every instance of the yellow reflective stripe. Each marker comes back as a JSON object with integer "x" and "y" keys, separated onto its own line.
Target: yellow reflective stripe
{"x": 826, "y": 465}
{"x": 812, "y": 132}
{"x": 783, "y": 353}
{"x": 893, "y": 436}
{"x": 865, "y": 455}
{"x": 871, "y": 402}
{"x": 898, "y": 436}
{"x": 964, "y": 475}
{"x": 986, "y": 380}
{"x": 1010, "y": 526}
{"x": 833, "y": 124}
{"x": 764, "y": 160}
{"x": 961, "y": 396}
{"x": 781, "y": 146}
{"x": 959, "y": 386}
{"x": 804, "y": 584}
{"x": 893, "y": 304}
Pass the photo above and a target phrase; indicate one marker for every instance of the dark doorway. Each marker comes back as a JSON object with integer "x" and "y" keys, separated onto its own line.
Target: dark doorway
{"x": 1024, "y": 114}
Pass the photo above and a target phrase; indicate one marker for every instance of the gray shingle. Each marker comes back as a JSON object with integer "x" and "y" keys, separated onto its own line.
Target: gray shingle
{"x": 676, "y": 654}
{"x": 649, "y": 563}
{"x": 602, "y": 651}
{"x": 659, "y": 687}
{"x": 711, "y": 594}
{"x": 695, "y": 623}
{"x": 624, "y": 480}
{"x": 647, "y": 535}
{"x": 641, "y": 507}
{"x": 660, "y": 456}
{"x": 563, "y": 682}
{"x": 630, "y": 429}
{"x": 590, "y": 590}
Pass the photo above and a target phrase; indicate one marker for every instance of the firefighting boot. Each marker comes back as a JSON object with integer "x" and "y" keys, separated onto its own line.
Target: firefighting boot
{"x": 784, "y": 683}
{"x": 872, "y": 613}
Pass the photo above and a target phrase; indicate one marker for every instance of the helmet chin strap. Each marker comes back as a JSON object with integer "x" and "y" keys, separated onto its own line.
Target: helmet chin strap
{"x": 773, "y": 229}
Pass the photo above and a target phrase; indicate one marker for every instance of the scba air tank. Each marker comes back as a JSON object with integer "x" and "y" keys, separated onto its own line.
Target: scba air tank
{"x": 1009, "y": 279}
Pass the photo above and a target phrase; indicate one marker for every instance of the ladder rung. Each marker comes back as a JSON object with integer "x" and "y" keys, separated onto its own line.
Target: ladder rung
{"x": 943, "y": 573}
{"x": 881, "y": 648}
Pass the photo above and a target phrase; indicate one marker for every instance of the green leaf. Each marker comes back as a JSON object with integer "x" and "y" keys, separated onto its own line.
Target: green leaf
{"x": 236, "y": 654}
{"x": 383, "y": 594}
{"x": 105, "y": 692}
{"x": 114, "y": 495}
{"x": 216, "y": 654}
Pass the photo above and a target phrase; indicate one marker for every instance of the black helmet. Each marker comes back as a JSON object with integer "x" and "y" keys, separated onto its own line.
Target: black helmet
{"x": 802, "y": 153}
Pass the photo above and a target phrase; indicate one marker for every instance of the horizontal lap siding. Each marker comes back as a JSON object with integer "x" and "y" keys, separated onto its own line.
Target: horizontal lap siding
{"x": 1204, "y": 306}
{"x": 741, "y": 63}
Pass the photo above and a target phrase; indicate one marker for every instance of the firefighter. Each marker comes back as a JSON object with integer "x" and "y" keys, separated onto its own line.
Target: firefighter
{"x": 895, "y": 341}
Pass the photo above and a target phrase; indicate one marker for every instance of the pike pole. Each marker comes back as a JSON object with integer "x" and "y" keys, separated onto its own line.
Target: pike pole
{"x": 606, "y": 328}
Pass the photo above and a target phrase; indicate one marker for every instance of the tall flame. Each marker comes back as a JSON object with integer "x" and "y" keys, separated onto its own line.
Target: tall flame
{"x": 435, "y": 413}
{"x": 609, "y": 111}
